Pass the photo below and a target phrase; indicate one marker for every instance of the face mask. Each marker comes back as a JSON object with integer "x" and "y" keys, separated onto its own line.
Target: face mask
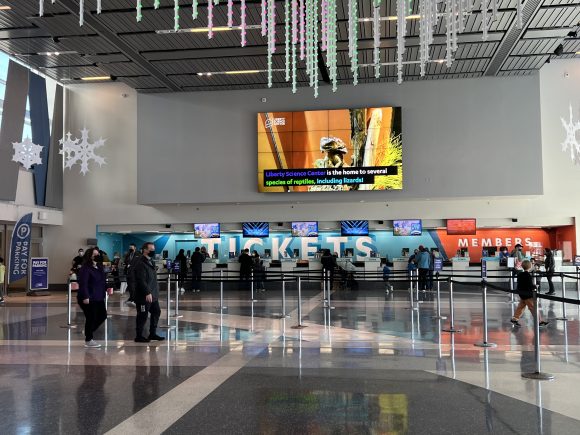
{"x": 151, "y": 254}
{"x": 132, "y": 249}
{"x": 98, "y": 258}
{"x": 81, "y": 253}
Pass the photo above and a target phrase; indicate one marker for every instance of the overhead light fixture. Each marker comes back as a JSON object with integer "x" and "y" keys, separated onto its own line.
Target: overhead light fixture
{"x": 5, "y": 8}
{"x": 389, "y": 18}
{"x": 248, "y": 71}
{"x": 53, "y": 53}
{"x": 96, "y": 78}
{"x": 237, "y": 72}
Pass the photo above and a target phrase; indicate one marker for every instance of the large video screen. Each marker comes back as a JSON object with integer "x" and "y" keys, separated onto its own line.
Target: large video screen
{"x": 207, "y": 231}
{"x": 408, "y": 227}
{"x": 330, "y": 150}
{"x": 256, "y": 229}
{"x": 354, "y": 228}
{"x": 304, "y": 229}
{"x": 461, "y": 227}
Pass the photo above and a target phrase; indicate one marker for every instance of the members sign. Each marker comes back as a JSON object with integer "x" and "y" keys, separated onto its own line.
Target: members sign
{"x": 20, "y": 249}
{"x": 38, "y": 274}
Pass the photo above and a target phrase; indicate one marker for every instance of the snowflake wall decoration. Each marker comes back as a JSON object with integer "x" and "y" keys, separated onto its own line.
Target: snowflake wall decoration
{"x": 571, "y": 142}
{"x": 81, "y": 151}
{"x": 27, "y": 153}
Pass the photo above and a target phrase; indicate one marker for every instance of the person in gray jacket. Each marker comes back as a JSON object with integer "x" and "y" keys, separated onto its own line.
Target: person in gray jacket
{"x": 147, "y": 294}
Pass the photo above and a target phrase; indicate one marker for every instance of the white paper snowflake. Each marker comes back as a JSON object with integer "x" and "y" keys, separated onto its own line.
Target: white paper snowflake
{"x": 27, "y": 153}
{"x": 571, "y": 141}
{"x": 81, "y": 151}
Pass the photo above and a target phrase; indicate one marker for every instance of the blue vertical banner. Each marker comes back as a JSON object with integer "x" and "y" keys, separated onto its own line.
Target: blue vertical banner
{"x": 40, "y": 124}
{"x": 38, "y": 273}
{"x": 20, "y": 249}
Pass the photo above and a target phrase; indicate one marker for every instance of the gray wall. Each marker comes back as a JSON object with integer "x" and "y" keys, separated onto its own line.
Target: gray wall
{"x": 461, "y": 138}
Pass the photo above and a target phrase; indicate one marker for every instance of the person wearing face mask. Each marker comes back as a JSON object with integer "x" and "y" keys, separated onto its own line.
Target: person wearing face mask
{"x": 519, "y": 257}
{"x": 147, "y": 295}
{"x": 129, "y": 262}
{"x": 78, "y": 260}
{"x": 91, "y": 294}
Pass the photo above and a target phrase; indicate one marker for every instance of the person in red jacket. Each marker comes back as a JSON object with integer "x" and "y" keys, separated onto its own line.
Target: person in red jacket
{"x": 526, "y": 288}
{"x": 91, "y": 294}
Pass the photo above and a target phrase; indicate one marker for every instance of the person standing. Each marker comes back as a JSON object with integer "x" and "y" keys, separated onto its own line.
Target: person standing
{"x": 2, "y": 279}
{"x": 197, "y": 258}
{"x": 129, "y": 262}
{"x": 78, "y": 260}
{"x": 423, "y": 263}
{"x": 181, "y": 259}
{"x": 525, "y": 290}
{"x": 92, "y": 293}
{"x": 328, "y": 262}
{"x": 246, "y": 264}
{"x": 550, "y": 266}
{"x": 147, "y": 295}
{"x": 518, "y": 257}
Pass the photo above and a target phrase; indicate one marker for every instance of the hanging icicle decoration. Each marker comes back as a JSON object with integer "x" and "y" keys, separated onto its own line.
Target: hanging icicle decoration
{"x": 484, "y": 17}
{"x": 423, "y": 20}
{"x": 493, "y": 10}
{"x": 271, "y": 37}
{"x": 99, "y": 7}
{"x": 377, "y": 37}
{"x": 264, "y": 17}
{"x": 81, "y": 12}
{"x": 287, "y": 39}
{"x": 401, "y": 30}
{"x": 230, "y": 13}
{"x": 41, "y": 8}
{"x": 315, "y": 46}
{"x": 453, "y": 12}
{"x": 302, "y": 29}
{"x": 243, "y": 27}
{"x": 139, "y": 16}
{"x": 519, "y": 22}
{"x": 194, "y": 9}
{"x": 324, "y": 24}
{"x": 176, "y": 15}
{"x": 353, "y": 41}
{"x": 210, "y": 5}
{"x": 448, "y": 27}
{"x": 331, "y": 44}
{"x": 156, "y": 4}
{"x": 294, "y": 42}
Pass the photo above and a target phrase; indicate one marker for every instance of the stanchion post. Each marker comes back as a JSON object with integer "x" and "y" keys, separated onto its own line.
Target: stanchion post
{"x": 222, "y": 307}
{"x": 537, "y": 374}
{"x": 176, "y": 314}
{"x": 578, "y": 283}
{"x": 252, "y": 298}
{"x": 438, "y": 316}
{"x": 485, "y": 342}
{"x": 284, "y": 315}
{"x": 69, "y": 324}
{"x": 168, "y": 325}
{"x": 299, "y": 325}
{"x": 563, "y": 318}
{"x": 451, "y": 311}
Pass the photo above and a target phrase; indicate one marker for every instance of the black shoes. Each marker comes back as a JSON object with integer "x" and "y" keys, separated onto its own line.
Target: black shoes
{"x": 142, "y": 340}
{"x": 551, "y": 293}
{"x": 155, "y": 337}
{"x": 515, "y": 322}
{"x": 544, "y": 323}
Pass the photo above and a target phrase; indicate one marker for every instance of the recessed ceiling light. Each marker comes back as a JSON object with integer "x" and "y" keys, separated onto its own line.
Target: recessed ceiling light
{"x": 206, "y": 30}
{"x": 5, "y": 8}
{"x": 95, "y": 78}
{"x": 248, "y": 71}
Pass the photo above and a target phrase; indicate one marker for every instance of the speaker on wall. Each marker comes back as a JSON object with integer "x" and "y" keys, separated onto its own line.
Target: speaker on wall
{"x": 280, "y": 224}
{"x": 381, "y": 222}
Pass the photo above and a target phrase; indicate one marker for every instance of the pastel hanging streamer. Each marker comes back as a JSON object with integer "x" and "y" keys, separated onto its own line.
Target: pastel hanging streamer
{"x": 176, "y": 15}
{"x": 377, "y": 37}
{"x": 264, "y": 18}
{"x": 302, "y": 29}
{"x": 294, "y": 43}
{"x": 287, "y": 38}
{"x": 324, "y": 24}
{"x": 230, "y": 13}
{"x": 99, "y": 7}
{"x": 243, "y": 26}
{"x": 139, "y": 14}
{"x": 81, "y": 12}
{"x": 194, "y": 9}
{"x": 41, "y": 8}
{"x": 331, "y": 46}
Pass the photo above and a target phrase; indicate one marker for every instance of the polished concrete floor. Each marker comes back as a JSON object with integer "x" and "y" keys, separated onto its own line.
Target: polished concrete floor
{"x": 373, "y": 364}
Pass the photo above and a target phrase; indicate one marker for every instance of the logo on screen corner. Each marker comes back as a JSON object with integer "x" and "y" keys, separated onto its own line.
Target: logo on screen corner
{"x": 270, "y": 122}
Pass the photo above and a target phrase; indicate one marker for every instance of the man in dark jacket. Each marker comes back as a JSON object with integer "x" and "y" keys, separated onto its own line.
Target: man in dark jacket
{"x": 197, "y": 258}
{"x": 525, "y": 290}
{"x": 147, "y": 295}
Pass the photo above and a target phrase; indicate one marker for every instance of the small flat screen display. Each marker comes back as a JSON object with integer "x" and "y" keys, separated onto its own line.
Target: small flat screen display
{"x": 304, "y": 229}
{"x": 407, "y": 227}
{"x": 461, "y": 227}
{"x": 354, "y": 228}
{"x": 256, "y": 229}
{"x": 207, "y": 231}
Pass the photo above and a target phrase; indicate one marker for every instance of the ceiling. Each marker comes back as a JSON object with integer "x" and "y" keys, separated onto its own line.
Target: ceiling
{"x": 113, "y": 43}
